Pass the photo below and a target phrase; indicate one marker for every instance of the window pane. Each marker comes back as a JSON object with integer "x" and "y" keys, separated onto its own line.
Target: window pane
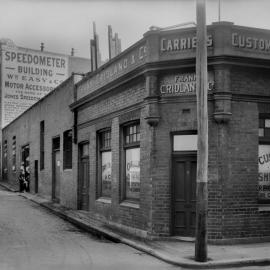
{"x": 132, "y": 133}
{"x": 261, "y": 123}
{"x": 261, "y": 132}
{"x": 85, "y": 149}
{"x": 267, "y": 123}
{"x": 264, "y": 173}
{"x": 267, "y": 132}
{"x": 133, "y": 173}
{"x": 185, "y": 143}
{"x": 106, "y": 164}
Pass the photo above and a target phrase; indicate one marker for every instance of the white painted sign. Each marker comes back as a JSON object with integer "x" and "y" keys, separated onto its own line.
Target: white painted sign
{"x": 264, "y": 172}
{"x": 27, "y": 76}
{"x": 182, "y": 84}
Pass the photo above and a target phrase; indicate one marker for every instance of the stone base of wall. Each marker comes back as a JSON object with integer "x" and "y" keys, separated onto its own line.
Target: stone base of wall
{"x": 234, "y": 241}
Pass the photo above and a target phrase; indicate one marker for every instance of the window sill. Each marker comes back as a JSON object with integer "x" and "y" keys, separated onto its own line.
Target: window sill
{"x": 104, "y": 200}
{"x": 130, "y": 204}
{"x": 264, "y": 208}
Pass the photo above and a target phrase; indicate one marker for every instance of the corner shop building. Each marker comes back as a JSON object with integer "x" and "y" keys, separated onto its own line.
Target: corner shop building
{"x": 134, "y": 137}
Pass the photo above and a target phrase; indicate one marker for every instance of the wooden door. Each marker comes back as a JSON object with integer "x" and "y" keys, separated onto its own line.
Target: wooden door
{"x": 56, "y": 176}
{"x": 83, "y": 178}
{"x": 36, "y": 176}
{"x": 184, "y": 195}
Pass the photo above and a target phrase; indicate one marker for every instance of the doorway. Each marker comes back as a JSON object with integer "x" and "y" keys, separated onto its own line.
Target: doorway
{"x": 184, "y": 173}
{"x": 83, "y": 177}
{"x": 56, "y": 169}
{"x": 36, "y": 176}
{"x": 25, "y": 163}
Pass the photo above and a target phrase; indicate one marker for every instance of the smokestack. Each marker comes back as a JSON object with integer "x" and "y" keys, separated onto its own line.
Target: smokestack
{"x": 110, "y": 41}
{"x": 94, "y": 49}
{"x": 42, "y": 46}
{"x": 114, "y": 43}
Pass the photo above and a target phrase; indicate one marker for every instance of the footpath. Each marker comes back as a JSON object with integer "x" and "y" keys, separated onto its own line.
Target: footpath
{"x": 173, "y": 251}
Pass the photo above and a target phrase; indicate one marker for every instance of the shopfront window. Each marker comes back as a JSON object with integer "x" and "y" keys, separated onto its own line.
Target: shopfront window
{"x": 132, "y": 161}
{"x": 264, "y": 160}
{"x": 105, "y": 163}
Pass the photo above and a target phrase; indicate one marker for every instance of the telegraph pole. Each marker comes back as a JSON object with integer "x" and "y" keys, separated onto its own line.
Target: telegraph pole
{"x": 219, "y": 10}
{"x": 202, "y": 119}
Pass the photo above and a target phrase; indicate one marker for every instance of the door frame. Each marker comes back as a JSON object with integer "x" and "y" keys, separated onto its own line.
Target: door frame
{"x": 79, "y": 184}
{"x": 175, "y": 155}
{"x": 54, "y": 150}
{"x": 23, "y": 161}
{"x": 36, "y": 175}
{"x": 184, "y": 156}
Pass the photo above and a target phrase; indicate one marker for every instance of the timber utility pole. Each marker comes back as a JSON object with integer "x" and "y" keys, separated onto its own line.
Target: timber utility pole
{"x": 202, "y": 119}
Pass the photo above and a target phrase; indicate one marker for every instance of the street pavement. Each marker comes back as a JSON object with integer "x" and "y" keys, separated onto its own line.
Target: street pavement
{"x": 51, "y": 243}
{"x": 32, "y": 238}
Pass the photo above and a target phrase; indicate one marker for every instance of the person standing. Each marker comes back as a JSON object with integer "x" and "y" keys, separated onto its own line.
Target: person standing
{"x": 22, "y": 180}
{"x": 27, "y": 178}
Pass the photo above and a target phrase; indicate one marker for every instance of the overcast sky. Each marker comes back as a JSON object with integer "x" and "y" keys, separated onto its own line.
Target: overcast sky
{"x": 66, "y": 24}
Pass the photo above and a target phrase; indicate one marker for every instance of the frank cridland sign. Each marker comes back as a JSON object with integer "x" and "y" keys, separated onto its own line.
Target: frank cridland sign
{"x": 28, "y": 75}
{"x": 182, "y": 84}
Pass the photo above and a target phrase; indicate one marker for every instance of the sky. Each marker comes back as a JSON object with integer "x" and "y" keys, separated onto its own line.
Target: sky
{"x": 65, "y": 24}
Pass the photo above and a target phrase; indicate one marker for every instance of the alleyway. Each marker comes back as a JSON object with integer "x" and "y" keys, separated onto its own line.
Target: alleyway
{"x": 31, "y": 238}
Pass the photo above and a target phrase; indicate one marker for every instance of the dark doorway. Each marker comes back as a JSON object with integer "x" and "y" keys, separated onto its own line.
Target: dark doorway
{"x": 56, "y": 170}
{"x": 184, "y": 195}
{"x": 83, "y": 177}
{"x": 25, "y": 163}
{"x": 36, "y": 176}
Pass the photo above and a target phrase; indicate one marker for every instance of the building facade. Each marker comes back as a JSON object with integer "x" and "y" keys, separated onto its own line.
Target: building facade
{"x": 134, "y": 134}
{"x": 36, "y": 139}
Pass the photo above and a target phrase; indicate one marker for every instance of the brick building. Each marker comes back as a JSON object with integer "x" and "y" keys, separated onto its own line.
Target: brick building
{"x": 135, "y": 131}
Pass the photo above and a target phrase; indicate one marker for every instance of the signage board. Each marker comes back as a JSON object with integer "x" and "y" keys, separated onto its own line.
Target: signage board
{"x": 182, "y": 84}
{"x": 106, "y": 163}
{"x": 264, "y": 173}
{"x": 133, "y": 173}
{"x": 28, "y": 75}
{"x": 181, "y": 43}
{"x": 116, "y": 69}
{"x": 249, "y": 41}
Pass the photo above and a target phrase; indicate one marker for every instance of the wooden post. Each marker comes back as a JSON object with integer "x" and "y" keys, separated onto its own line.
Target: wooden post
{"x": 202, "y": 119}
{"x": 219, "y": 10}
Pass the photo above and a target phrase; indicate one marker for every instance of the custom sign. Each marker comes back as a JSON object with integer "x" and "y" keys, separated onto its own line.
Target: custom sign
{"x": 27, "y": 76}
{"x": 264, "y": 172}
{"x": 250, "y": 42}
{"x": 182, "y": 84}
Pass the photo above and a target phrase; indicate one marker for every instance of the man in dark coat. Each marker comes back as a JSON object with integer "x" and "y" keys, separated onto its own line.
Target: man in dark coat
{"x": 22, "y": 180}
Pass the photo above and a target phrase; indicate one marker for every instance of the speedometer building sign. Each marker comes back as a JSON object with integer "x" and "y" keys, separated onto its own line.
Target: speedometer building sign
{"x": 27, "y": 76}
